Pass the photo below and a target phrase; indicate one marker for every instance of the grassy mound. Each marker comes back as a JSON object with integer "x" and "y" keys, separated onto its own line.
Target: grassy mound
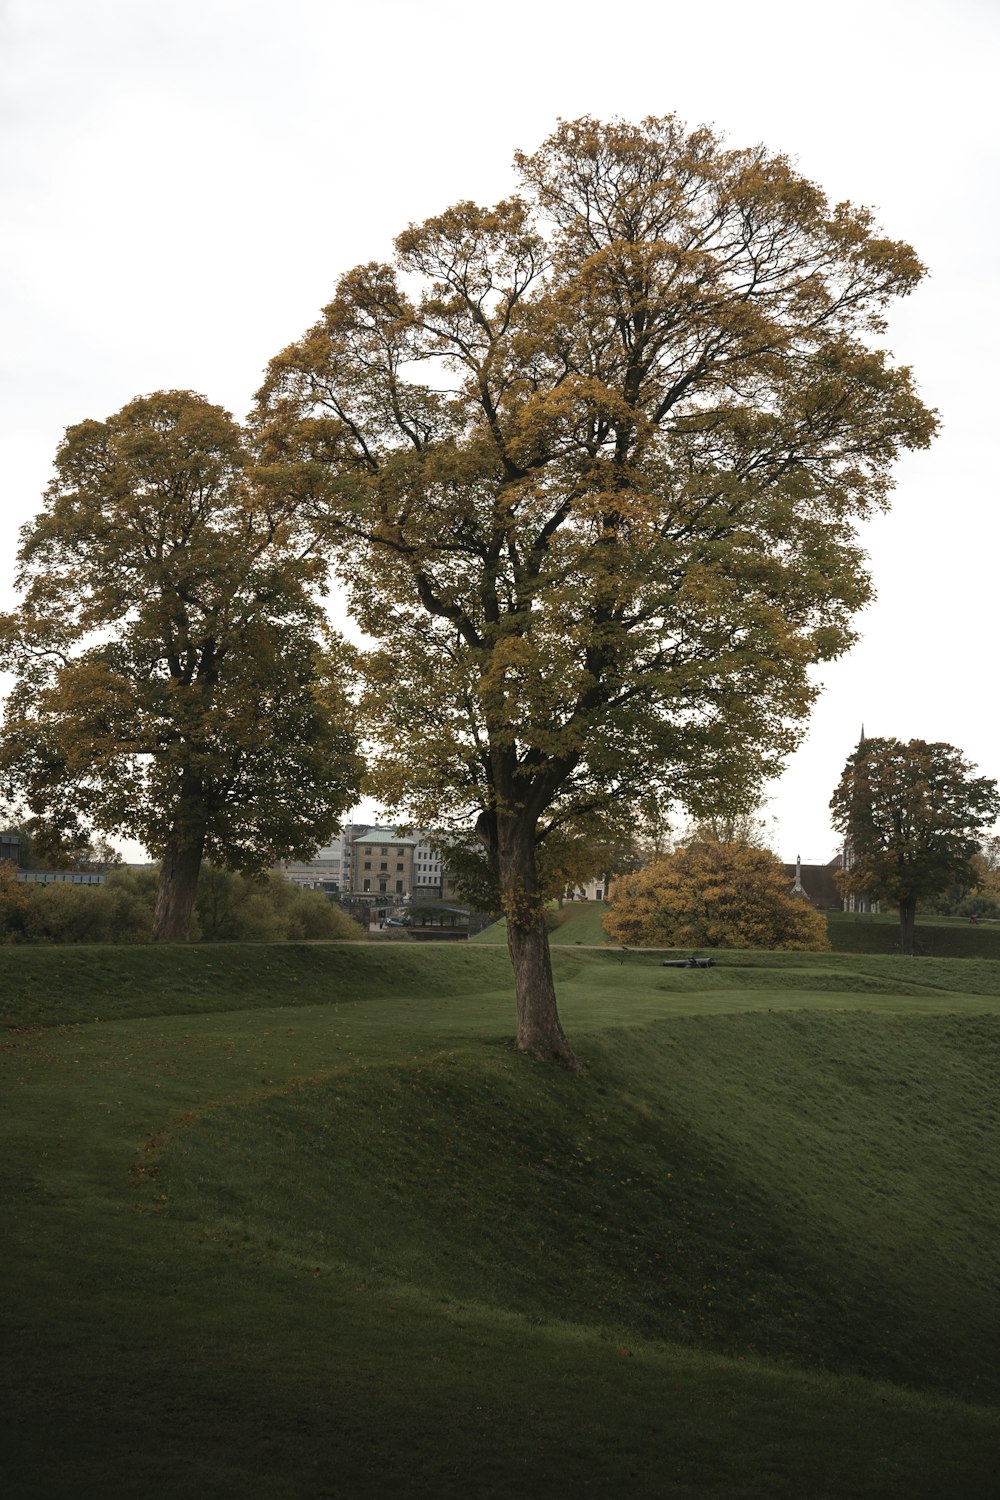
{"x": 342, "y": 1241}
{"x": 937, "y": 937}
{"x": 574, "y": 922}
{"x": 55, "y": 985}
{"x": 771, "y": 1186}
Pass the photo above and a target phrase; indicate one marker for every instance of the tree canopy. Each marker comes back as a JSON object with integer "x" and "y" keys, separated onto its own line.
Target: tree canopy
{"x": 986, "y": 868}
{"x": 589, "y": 462}
{"x": 911, "y": 816}
{"x": 714, "y": 895}
{"x": 175, "y": 683}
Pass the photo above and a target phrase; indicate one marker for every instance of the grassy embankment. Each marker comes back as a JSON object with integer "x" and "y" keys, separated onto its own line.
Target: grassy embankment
{"x": 297, "y": 1222}
{"x": 937, "y": 937}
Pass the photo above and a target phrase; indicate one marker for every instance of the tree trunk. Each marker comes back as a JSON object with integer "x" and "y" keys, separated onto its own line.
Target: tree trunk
{"x": 907, "y": 924}
{"x": 538, "y": 1027}
{"x": 179, "y": 875}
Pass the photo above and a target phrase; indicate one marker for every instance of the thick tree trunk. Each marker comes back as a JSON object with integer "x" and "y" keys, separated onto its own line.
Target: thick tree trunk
{"x": 907, "y": 924}
{"x": 179, "y": 885}
{"x": 538, "y": 1027}
{"x": 539, "y": 1030}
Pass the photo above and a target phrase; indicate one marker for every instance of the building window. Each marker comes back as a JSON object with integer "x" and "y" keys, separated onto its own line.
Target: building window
{"x": 368, "y": 851}
{"x": 399, "y": 886}
{"x": 383, "y": 866}
{"x": 399, "y": 867}
{"x": 368, "y": 864}
{"x": 381, "y": 887}
{"x": 367, "y": 885}
{"x": 399, "y": 851}
{"x": 383, "y": 851}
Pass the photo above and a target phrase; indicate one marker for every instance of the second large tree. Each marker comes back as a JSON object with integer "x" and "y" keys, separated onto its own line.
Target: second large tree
{"x": 912, "y": 816}
{"x": 590, "y": 460}
{"x": 175, "y": 683}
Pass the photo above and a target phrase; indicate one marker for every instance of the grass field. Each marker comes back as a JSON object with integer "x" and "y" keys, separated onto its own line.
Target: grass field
{"x": 296, "y": 1221}
{"x": 937, "y": 937}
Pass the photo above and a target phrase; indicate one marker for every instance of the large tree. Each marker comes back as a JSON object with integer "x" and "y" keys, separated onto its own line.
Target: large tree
{"x": 590, "y": 460}
{"x": 911, "y": 816}
{"x": 175, "y": 682}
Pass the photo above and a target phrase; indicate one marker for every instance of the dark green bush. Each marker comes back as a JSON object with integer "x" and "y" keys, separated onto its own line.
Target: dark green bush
{"x": 230, "y": 908}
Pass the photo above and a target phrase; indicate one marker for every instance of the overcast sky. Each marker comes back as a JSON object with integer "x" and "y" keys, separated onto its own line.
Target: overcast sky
{"x": 182, "y": 183}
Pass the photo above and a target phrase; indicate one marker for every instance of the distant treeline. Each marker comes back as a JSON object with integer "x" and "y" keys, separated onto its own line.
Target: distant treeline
{"x": 228, "y": 908}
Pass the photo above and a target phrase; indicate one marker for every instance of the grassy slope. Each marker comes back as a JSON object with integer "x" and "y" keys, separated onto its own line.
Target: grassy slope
{"x": 337, "y": 1245}
{"x": 575, "y": 922}
{"x": 938, "y": 937}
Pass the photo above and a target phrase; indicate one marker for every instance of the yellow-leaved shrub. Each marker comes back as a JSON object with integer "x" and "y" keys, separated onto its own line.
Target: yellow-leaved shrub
{"x": 713, "y": 895}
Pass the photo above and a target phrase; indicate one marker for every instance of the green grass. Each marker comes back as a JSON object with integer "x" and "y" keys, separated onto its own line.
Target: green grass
{"x": 574, "y": 922}
{"x": 579, "y": 922}
{"x": 938, "y": 937}
{"x": 52, "y": 985}
{"x": 297, "y": 1222}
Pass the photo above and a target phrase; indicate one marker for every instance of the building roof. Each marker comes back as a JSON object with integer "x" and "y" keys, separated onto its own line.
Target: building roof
{"x": 380, "y": 836}
{"x": 818, "y": 884}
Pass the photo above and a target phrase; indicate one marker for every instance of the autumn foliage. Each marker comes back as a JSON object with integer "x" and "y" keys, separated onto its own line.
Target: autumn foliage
{"x": 713, "y": 895}
{"x": 176, "y": 682}
{"x": 590, "y": 461}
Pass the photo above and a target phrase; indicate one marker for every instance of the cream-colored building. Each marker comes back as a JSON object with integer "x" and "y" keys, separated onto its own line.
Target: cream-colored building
{"x": 375, "y": 860}
{"x": 382, "y": 864}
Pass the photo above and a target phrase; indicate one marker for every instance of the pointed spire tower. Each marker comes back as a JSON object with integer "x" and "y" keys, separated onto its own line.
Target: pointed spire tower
{"x": 859, "y": 812}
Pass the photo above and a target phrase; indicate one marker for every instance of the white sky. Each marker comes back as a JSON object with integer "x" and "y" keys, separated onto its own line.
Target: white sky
{"x": 182, "y": 183}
